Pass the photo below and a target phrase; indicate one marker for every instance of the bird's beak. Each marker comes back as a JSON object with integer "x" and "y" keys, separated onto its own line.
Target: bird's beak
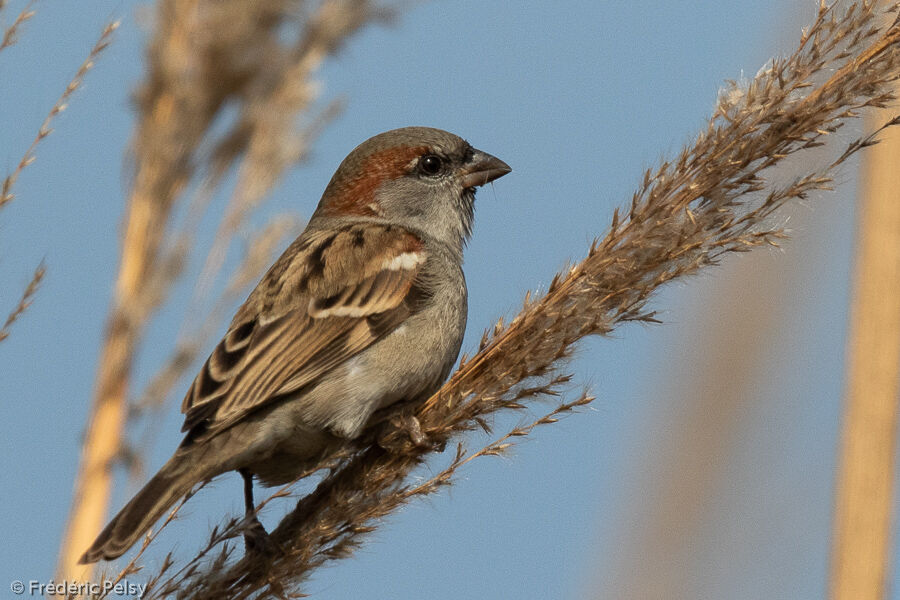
{"x": 482, "y": 168}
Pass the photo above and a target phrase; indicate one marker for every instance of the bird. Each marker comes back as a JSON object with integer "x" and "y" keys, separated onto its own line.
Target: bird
{"x": 365, "y": 309}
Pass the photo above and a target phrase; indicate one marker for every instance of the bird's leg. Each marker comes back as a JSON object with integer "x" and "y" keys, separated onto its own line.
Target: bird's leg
{"x": 249, "y": 505}
{"x": 256, "y": 539}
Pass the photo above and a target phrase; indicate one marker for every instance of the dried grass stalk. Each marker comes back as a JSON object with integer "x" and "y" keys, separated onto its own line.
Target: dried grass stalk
{"x": 861, "y": 556}
{"x": 10, "y": 34}
{"x": 203, "y": 55}
{"x": 6, "y": 188}
{"x": 45, "y": 130}
{"x": 24, "y": 301}
{"x": 713, "y": 199}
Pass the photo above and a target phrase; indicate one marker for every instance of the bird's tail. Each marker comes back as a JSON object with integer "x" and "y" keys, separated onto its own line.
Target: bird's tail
{"x": 173, "y": 481}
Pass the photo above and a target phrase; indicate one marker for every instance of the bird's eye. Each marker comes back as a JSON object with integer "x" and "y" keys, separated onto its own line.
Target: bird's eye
{"x": 431, "y": 164}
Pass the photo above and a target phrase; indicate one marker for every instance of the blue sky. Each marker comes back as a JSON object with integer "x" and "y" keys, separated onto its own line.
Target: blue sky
{"x": 578, "y": 98}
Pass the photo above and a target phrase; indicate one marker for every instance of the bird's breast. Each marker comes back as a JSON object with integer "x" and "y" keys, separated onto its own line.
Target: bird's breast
{"x": 407, "y": 364}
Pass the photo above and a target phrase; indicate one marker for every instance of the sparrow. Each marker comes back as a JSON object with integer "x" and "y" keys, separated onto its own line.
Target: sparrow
{"x": 365, "y": 309}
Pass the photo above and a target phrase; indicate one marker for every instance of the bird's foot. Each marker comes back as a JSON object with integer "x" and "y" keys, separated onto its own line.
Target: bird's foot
{"x": 257, "y": 540}
{"x": 404, "y": 432}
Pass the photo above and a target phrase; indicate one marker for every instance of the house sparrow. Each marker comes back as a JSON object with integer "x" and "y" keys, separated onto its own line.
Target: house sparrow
{"x": 366, "y": 308}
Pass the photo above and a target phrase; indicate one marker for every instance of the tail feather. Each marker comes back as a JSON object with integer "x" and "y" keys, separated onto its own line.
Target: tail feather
{"x": 172, "y": 482}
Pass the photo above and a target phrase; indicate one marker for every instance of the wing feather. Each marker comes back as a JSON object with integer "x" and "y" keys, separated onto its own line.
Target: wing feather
{"x": 331, "y": 297}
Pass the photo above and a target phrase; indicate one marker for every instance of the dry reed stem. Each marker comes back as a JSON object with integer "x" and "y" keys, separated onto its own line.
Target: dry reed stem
{"x": 714, "y": 199}
{"x": 203, "y": 55}
{"x": 24, "y": 301}
{"x": 861, "y": 551}
{"x": 10, "y": 33}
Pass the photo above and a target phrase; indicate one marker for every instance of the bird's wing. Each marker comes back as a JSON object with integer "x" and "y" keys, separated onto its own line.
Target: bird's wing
{"x": 316, "y": 308}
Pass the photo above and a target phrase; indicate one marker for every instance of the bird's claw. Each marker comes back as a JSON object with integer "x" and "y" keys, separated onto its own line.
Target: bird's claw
{"x": 257, "y": 540}
{"x": 404, "y": 432}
